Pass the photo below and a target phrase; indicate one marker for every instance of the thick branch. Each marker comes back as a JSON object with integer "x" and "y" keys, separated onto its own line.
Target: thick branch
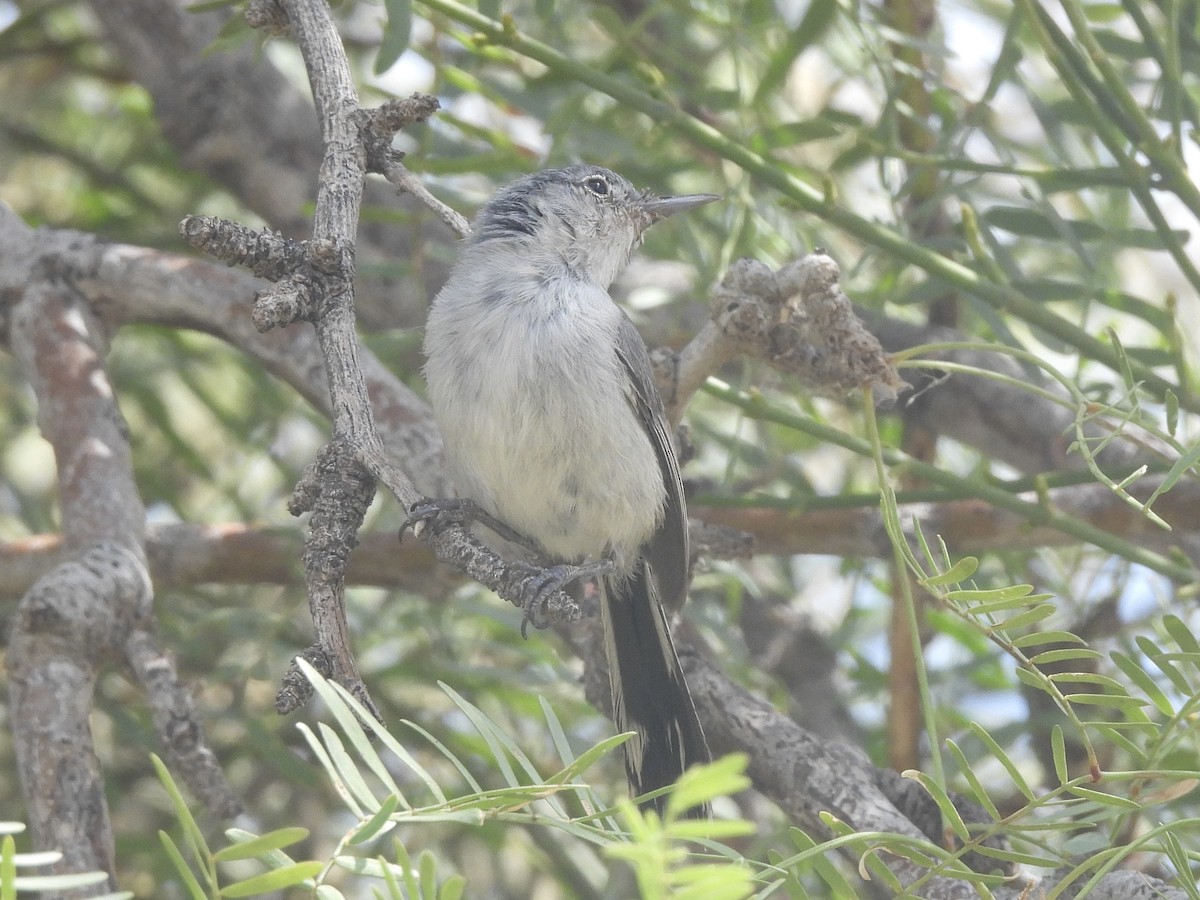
{"x": 95, "y": 607}
{"x": 972, "y": 526}
{"x": 89, "y": 603}
{"x": 182, "y": 555}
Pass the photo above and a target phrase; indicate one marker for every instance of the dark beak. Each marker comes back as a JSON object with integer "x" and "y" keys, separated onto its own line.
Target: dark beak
{"x": 657, "y": 208}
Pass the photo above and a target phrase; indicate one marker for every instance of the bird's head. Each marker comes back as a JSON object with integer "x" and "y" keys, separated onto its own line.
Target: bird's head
{"x": 585, "y": 217}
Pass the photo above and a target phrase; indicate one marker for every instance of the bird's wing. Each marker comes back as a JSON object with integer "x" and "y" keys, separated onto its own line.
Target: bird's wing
{"x": 667, "y": 551}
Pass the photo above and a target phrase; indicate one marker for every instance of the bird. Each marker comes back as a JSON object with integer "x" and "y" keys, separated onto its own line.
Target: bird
{"x": 553, "y": 428}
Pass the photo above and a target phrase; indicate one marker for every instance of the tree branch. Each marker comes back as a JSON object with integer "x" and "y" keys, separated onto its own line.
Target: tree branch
{"x": 260, "y": 144}
{"x": 972, "y": 526}
{"x": 95, "y": 607}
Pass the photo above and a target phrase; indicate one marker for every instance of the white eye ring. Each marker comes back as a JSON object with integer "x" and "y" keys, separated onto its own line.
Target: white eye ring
{"x": 597, "y": 184}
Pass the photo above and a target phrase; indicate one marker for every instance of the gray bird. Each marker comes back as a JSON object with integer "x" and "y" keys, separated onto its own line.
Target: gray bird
{"x": 543, "y": 391}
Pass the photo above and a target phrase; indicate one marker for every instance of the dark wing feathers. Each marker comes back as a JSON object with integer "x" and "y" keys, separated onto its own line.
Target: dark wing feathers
{"x": 667, "y": 552}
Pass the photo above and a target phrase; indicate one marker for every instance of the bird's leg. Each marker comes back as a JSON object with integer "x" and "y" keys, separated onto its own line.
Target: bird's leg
{"x": 541, "y": 582}
{"x": 538, "y": 580}
{"x": 445, "y": 511}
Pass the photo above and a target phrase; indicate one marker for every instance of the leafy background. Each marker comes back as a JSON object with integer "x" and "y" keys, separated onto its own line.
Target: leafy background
{"x": 1016, "y": 172}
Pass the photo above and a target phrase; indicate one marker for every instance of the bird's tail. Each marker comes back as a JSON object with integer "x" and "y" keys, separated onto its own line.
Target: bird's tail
{"x": 649, "y": 693}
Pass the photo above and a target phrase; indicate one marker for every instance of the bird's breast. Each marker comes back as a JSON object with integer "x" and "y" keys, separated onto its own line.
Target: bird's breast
{"x": 532, "y": 404}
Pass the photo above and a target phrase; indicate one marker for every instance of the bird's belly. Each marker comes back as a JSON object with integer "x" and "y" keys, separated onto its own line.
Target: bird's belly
{"x": 558, "y": 457}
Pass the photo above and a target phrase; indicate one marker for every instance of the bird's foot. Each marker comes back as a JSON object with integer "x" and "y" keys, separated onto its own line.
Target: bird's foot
{"x": 442, "y": 512}
{"x": 541, "y": 583}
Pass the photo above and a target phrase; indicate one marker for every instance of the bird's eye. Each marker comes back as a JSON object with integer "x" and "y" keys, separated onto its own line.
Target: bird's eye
{"x": 597, "y": 184}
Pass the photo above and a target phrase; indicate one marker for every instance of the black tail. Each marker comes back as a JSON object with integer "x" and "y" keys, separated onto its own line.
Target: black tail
{"x": 649, "y": 693}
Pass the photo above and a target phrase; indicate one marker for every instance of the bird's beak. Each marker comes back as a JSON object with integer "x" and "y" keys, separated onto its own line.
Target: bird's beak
{"x": 657, "y": 208}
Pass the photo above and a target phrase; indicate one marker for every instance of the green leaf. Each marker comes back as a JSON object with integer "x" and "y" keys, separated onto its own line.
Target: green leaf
{"x": 376, "y": 823}
{"x": 818, "y": 18}
{"x": 8, "y": 868}
{"x": 824, "y": 867}
{"x": 1002, "y": 758}
{"x": 1144, "y": 682}
{"x": 67, "y": 882}
{"x": 1034, "y": 678}
{"x": 889, "y": 503}
{"x": 502, "y": 798}
{"x": 492, "y": 735}
{"x": 1116, "y": 736}
{"x": 1034, "y": 223}
{"x": 1046, "y": 637}
{"x": 1155, "y": 654}
{"x": 1104, "y": 799}
{"x": 702, "y": 784}
{"x": 1125, "y": 368}
{"x": 589, "y": 757}
{"x": 1187, "y": 461}
{"x": 505, "y": 740}
{"x": 711, "y": 829}
{"x": 792, "y": 134}
{"x": 994, "y": 599}
{"x": 441, "y": 748}
{"x": 1122, "y": 703}
{"x": 702, "y": 881}
{"x": 396, "y": 34}
{"x": 38, "y": 858}
{"x": 277, "y": 879}
{"x": 1064, "y": 654}
{"x": 956, "y": 574}
{"x": 1024, "y": 620}
{"x": 427, "y": 867}
{"x": 397, "y": 749}
{"x": 1088, "y": 678}
{"x": 453, "y": 888}
{"x": 351, "y": 715}
{"x": 1050, "y": 290}
{"x": 347, "y": 769}
{"x": 407, "y": 870}
{"x": 557, "y": 733}
{"x": 1025, "y": 859}
{"x": 950, "y": 815}
{"x": 1087, "y": 843}
{"x": 1181, "y": 634}
{"x": 872, "y": 865}
{"x": 272, "y": 859}
{"x": 1058, "y": 749}
{"x": 191, "y": 831}
{"x": 181, "y": 867}
{"x": 978, "y": 792}
{"x": 375, "y": 868}
{"x": 258, "y": 846}
{"x": 331, "y": 770}
{"x": 1182, "y": 863}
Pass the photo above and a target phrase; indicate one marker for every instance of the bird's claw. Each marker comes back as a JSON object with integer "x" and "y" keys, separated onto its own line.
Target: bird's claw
{"x": 443, "y": 512}
{"x": 439, "y": 513}
{"x": 538, "y": 588}
{"x": 541, "y": 584}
